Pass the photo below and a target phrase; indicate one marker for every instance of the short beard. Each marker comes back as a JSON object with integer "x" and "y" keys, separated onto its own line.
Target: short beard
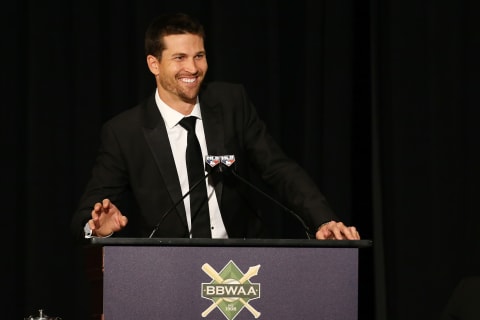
{"x": 187, "y": 96}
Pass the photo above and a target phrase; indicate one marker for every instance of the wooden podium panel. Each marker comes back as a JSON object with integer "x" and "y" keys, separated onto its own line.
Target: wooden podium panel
{"x": 230, "y": 279}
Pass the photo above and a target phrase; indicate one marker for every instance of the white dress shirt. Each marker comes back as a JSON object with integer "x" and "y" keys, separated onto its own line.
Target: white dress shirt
{"x": 177, "y": 136}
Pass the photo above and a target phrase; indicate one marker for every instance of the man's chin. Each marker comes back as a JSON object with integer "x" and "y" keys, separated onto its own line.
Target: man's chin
{"x": 190, "y": 95}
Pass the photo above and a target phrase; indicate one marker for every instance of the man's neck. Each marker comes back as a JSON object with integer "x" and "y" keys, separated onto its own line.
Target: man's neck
{"x": 177, "y": 104}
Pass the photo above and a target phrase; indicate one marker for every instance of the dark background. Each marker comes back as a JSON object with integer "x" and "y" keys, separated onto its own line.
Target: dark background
{"x": 378, "y": 100}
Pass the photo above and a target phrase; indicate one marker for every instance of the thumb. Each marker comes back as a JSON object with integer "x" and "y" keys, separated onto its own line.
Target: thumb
{"x": 322, "y": 234}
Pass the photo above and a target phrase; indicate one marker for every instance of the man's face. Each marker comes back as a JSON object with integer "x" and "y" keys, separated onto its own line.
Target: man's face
{"x": 182, "y": 68}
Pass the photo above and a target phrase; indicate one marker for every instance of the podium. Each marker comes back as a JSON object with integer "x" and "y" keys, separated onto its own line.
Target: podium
{"x": 171, "y": 279}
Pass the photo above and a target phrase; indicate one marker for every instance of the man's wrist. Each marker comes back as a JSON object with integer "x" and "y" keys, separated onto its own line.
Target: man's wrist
{"x": 89, "y": 233}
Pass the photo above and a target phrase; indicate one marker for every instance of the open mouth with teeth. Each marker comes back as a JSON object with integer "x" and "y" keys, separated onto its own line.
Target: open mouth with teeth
{"x": 188, "y": 80}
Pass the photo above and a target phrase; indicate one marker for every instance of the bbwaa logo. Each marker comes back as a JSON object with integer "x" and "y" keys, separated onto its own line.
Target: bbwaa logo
{"x": 230, "y": 290}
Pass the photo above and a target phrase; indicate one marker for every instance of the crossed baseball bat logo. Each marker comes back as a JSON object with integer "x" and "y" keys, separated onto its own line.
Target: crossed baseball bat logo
{"x": 252, "y": 271}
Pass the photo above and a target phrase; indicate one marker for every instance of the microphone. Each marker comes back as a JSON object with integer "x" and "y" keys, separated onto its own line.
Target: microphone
{"x": 227, "y": 166}
{"x": 211, "y": 161}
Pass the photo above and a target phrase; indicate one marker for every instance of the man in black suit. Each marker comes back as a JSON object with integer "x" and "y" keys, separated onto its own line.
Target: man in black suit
{"x": 142, "y": 154}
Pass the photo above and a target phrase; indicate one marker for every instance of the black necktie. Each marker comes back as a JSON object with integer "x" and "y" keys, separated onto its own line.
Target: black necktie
{"x": 199, "y": 213}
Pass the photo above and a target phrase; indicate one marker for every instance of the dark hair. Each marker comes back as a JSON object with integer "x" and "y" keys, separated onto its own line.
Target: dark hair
{"x": 168, "y": 24}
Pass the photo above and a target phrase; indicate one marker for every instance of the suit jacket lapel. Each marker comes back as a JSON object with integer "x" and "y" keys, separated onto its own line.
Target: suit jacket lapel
{"x": 214, "y": 135}
{"x": 157, "y": 139}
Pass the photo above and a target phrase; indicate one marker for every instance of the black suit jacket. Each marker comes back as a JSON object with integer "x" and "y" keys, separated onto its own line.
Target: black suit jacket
{"x": 136, "y": 170}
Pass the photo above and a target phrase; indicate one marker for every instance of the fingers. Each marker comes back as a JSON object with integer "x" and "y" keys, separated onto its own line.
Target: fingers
{"x": 106, "y": 218}
{"x": 322, "y": 232}
{"x": 349, "y": 233}
{"x": 342, "y": 232}
{"x": 102, "y": 207}
{"x": 337, "y": 231}
{"x": 123, "y": 221}
{"x": 107, "y": 205}
{"x": 92, "y": 224}
{"x": 352, "y": 233}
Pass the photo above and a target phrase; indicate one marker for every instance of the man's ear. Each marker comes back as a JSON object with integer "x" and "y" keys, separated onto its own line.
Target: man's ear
{"x": 152, "y": 63}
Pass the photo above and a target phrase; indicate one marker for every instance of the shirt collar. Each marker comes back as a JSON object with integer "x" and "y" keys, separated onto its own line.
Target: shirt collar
{"x": 171, "y": 116}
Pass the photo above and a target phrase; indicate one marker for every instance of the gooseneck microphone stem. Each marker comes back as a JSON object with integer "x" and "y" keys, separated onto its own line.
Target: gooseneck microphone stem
{"x": 155, "y": 229}
{"x": 305, "y": 227}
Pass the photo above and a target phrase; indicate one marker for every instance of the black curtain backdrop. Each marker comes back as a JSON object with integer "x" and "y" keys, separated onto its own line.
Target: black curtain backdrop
{"x": 377, "y": 100}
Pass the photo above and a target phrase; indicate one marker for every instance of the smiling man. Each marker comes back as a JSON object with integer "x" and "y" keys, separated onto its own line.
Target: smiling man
{"x": 144, "y": 162}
